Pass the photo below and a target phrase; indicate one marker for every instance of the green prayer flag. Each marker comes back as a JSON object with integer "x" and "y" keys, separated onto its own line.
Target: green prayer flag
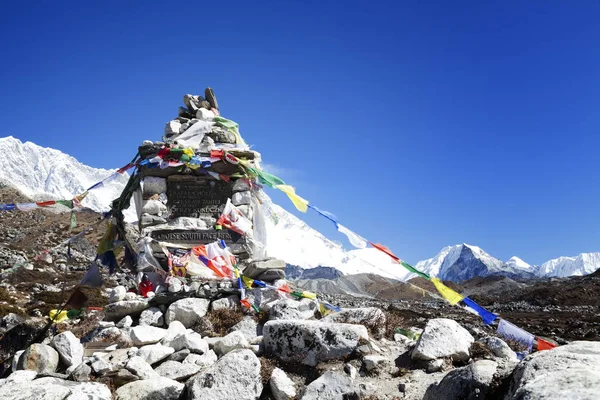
{"x": 73, "y": 221}
{"x": 66, "y": 203}
{"x": 416, "y": 271}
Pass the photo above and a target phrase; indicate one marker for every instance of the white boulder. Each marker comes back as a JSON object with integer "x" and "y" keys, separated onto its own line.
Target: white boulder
{"x": 443, "y": 337}
{"x": 310, "y": 342}
{"x": 156, "y": 388}
{"x": 69, "y": 348}
{"x": 235, "y": 376}
{"x": 187, "y": 311}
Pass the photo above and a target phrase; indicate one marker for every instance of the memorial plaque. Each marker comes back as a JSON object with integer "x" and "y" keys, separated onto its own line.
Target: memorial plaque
{"x": 191, "y": 196}
{"x": 196, "y": 237}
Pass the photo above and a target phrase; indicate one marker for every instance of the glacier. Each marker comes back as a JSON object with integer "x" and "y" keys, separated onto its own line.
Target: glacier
{"x": 45, "y": 173}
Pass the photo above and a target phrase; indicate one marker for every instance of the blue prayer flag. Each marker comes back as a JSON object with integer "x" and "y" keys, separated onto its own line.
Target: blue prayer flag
{"x": 487, "y": 316}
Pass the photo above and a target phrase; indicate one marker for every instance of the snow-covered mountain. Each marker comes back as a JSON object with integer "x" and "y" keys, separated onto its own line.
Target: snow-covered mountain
{"x": 583, "y": 264}
{"x": 45, "y": 173}
{"x": 464, "y": 261}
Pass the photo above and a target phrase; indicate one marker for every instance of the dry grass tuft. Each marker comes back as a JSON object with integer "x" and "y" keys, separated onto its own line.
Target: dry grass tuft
{"x": 267, "y": 365}
{"x": 5, "y": 295}
{"x": 479, "y": 351}
{"x": 223, "y": 320}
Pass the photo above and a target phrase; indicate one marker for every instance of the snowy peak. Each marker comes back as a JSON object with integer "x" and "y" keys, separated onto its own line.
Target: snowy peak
{"x": 583, "y": 264}
{"x": 461, "y": 262}
{"x": 516, "y": 263}
{"x": 43, "y": 173}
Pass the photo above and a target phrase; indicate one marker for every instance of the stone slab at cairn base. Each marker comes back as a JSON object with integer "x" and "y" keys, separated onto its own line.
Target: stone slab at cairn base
{"x": 265, "y": 270}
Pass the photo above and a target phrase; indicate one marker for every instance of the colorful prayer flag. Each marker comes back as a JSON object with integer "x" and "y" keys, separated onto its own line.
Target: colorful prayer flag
{"x": 544, "y": 345}
{"x": 354, "y": 238}
{"x": 487, "y": 316}
{"x": 513, "y": 332}
{"x": 300, "y": 203}
{"x": 450, "y": 295}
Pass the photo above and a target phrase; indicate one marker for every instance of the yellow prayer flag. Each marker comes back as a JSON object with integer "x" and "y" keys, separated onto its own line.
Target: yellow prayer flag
{"x": 309, "y": 295}
{"x": 189, "y": 151}
{"x": 450, "y": 295}
{"x": 300, "y": 203}
{"x": 323, "y": 309}
{"x": 61, "y": 317}
{"x": 247, "y": 281}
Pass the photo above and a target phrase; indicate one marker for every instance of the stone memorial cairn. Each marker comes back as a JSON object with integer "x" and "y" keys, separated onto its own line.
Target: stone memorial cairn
{"x": 198, "y": 212}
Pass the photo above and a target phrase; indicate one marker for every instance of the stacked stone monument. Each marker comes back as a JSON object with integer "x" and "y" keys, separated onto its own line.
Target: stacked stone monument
{"x": 186, "y": 182}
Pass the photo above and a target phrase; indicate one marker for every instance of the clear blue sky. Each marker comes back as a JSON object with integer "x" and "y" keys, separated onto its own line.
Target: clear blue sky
{"x": 418, "y": 124}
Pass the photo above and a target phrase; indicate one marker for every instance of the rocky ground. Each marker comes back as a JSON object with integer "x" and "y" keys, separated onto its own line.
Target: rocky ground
{"x": 199, "y": 344}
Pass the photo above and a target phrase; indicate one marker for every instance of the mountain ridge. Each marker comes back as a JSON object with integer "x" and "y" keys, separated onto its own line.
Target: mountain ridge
{"x": 42, "y": 173}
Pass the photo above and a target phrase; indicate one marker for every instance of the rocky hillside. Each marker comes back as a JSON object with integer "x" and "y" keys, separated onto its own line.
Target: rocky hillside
{"x": 201, "y": 345}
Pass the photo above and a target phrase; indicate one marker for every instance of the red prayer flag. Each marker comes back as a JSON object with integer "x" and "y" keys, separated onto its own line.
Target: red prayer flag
{"x": 544, "y": 345}
{"x": 217, "y": 153}
{"x": 45, "y": 203}
{"x": 387, "y": 251}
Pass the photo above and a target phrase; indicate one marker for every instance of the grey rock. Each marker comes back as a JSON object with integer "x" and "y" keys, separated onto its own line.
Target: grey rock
{"x": 350, "y": 370}
{"x": 154, "y": 207}
{"x": 188, "y": 311}
{"x": 153, "y": 184}
{"x": 435, "y": 365}
{"x": 175, "y": 329}
{"x": 102, "y": 366}
{"x": 123, "y": 377}
{"x": 282, "y": 387}
{"x": 241, "y": 198}
{"x": 152, "y": 316}
{"x": 188, "y": 340}
{"x": 179, "y": 355}
{"x": 374, "y": 363}
{"x": 157, "y": 388}
{"x": 443, "y": 337}
{"x": 19, "y": 377}
{"x": 233, "y": 341}
{"x": 221, "y": 135}
{"x": 113, "y": 335}
{"x": 117, "y": 358}
{"x": 176, "y": 370}
{"x": 129, "y": 296}
{"x": 267, "y": 270}
{"x": 81, "y": 373}
{"x": 171, "y": 128}
{"x": 371, "y": 317}
{"x": 235, "y": 375}
{"x": 15, "y": 361}
{"x": 117, "y": 294}
{"x": 141, "y": 368}
{"x": 310, "y": 342}
{"x": 248, "y": 327}
{"x": 293, "y": 309}
{"x": 125, "y": 322}
{"x": 116, "y": 311}
{"x": 143, "y": 334}
{"x": 154, "y": 353}
{"x": 54, "y": 388}
{"x": 330, "y": 386}
{"x": 9, "y": 321}
{"x": 469, "y": 383}
{"x": 203, "y": 360}
{"x": 40, "y": 358}
{"x": 499, "y": 347}
{"x": 150, "y": 220}
{"x": 69, "y": 348}
{"x": 240, "y": 185}
{"x": 226, "y": 303}
{"x": 566, "y": 372}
